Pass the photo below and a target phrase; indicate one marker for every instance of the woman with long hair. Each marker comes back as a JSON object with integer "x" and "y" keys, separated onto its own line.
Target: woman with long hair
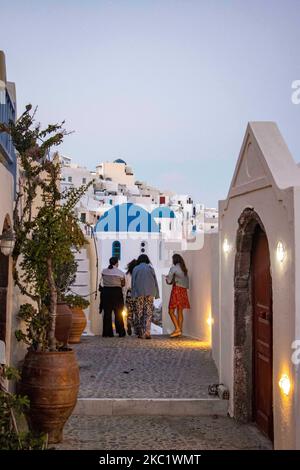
{"x": 112, "y": 300}
{"x": 129, "y": 300}
{"x": 144, "y": 291}
{"x": 178, "y": 278}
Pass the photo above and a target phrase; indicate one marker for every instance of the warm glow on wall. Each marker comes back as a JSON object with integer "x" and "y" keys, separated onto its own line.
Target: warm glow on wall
{"x": 285, "y": 384}
{"x": 280, "y": 252}
{"x": 208, "y": 322}
{"x": 226, "y": 246}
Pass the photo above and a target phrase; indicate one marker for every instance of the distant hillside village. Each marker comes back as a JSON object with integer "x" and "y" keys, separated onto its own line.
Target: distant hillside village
{"x": 114, "y": 183}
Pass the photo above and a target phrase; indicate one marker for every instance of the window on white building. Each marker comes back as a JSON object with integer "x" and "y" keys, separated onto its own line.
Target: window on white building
{"x": 116, "y": 249}
{"x": 83, "y": 180}
{"x": 144, "y": 247}
{"x": 70, "y": 179}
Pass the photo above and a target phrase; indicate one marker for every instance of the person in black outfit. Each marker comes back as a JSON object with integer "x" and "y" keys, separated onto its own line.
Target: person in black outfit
{"x": 112, "y": 300}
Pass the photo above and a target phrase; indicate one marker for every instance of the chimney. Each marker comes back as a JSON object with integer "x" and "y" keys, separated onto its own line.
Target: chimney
{"x": 2, "y": 67}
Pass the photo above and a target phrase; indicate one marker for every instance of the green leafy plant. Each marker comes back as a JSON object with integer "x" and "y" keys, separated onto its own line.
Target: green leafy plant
{"x": 12, "y": 408}
{"x": 74, "y": 300}
{"x": 65, "y": 275}
{"x": 37, "y": 324}
{"x": 46, "y": 227}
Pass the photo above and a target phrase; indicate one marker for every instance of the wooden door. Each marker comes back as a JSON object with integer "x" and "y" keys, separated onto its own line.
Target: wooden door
{"x": 262, "y": 335}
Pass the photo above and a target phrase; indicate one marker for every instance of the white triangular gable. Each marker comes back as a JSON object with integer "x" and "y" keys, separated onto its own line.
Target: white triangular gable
{"x": 250, "y": 167}
{"x": 264, "y": 160}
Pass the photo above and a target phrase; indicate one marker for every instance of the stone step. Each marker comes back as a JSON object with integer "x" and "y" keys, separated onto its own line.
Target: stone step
{"x": 82, "y": 279}
{"x": 82, "y": 289}
{"x": 83, "y": 265}
{"x": 151, "y": 407}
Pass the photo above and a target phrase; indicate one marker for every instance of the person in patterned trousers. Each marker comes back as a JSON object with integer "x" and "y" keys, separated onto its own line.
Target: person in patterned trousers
{"x": 144, "y": 291}
{"x": 129, "y": 300}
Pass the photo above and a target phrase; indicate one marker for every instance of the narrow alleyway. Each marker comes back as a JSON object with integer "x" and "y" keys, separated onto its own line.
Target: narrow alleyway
{"x": 160, "y": 368}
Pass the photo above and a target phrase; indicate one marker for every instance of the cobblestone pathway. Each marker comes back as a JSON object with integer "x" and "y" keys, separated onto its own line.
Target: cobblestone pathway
{"x": 157, "y": 368}
{"x": 133, "y": 368}
{"x": 160, "y": 433}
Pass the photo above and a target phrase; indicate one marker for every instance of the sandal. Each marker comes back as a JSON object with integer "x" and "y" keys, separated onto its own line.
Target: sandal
{"x": 175, "y": 334}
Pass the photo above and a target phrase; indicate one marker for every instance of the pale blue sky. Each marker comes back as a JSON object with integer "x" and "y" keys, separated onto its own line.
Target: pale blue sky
{"x": 168, "y": 85}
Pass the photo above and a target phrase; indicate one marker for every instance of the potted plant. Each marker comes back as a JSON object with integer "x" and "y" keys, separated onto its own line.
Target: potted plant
{"x": 65, "y": 275}
{"x": 79, "y": 322}
{"x": 69, "y": 304}
{"x": 46, "y": 231}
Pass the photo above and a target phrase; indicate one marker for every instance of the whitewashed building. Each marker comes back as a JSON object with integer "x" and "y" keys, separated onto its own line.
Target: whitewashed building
{"x": 8, "y": 177}
{"x": 245, "y": 284}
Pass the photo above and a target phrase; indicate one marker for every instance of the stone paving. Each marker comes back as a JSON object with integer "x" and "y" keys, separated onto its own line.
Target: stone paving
{"x": 158, "y": 368}
{"x": 160, "y": 433}
{"x": 134, "y": 368}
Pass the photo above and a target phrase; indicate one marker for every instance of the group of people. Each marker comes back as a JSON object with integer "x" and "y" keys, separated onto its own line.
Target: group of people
{"x": 136, "y": 290}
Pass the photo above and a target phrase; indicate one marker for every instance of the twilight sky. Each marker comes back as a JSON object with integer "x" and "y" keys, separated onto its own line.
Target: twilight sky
{"x": 168, "y": 85}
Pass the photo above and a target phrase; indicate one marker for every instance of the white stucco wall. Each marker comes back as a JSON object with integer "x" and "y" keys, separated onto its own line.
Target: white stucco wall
{"x": 6, "y": 210}
{"x": 115, "y": 171}
{"x": 259, "y": 183}
{"x": 278, "y": 227}
{"x": 77, "y": 174}
{"x": 203, "y": 293}
{"x": 6, "y": 195}
{"x": 215, "y": 298}
{"x": 296, "y": 367}
{"x": 131, "y": 249}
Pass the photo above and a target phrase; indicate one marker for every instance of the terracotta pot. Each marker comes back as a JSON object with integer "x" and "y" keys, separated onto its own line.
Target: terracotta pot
{"x": 51, "y": 381}
{"x": 63, "y": 323}
{"x": 78, "y": 325}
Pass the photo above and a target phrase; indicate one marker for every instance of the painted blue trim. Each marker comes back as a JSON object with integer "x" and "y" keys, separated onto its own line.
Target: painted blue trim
{"x": 8, "y": 154}
{"x": 163, "y": 212}
{"x": 129, "y": 217}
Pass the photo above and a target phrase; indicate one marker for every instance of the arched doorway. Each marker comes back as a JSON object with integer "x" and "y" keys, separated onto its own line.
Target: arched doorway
{"x": 4, "y": 274}
{"x": 253, "y": 334}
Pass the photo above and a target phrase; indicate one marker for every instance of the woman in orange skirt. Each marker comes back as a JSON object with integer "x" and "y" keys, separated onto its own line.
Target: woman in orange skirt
{"x": 178, "y": 277}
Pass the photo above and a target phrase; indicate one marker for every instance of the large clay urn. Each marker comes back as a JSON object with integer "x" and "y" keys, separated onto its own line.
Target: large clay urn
{"x": 51, "y": 381}
{"x": 63, "y": 323}
{"x": 78, "y": 325}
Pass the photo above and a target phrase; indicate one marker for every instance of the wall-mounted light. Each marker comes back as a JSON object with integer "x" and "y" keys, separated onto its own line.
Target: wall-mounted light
{"x": 280, "y": 252}
{"x": 226, "y": 246}
{"x": 285, "y": 384}
{"x": 210, "y": 321}
{"x": 7, "y": 242}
